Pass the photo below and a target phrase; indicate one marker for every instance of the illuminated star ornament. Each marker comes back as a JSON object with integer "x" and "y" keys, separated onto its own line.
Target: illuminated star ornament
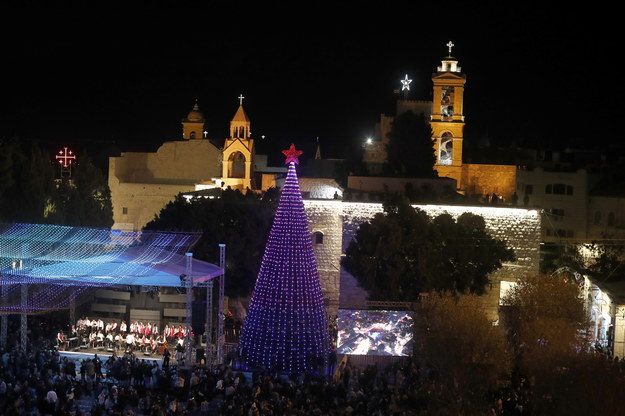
{"x": 405, "y": 83}
{"x": 292, "y": 154}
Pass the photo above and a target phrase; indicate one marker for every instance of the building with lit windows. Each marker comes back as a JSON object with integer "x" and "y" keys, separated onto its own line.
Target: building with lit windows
{"x": 563, "y": 195}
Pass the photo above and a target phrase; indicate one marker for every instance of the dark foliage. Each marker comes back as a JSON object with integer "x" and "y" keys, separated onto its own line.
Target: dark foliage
{"x": 83, "y": 200}
{"x": 26, "y": 181}
{"x": 403, "y": 252}
{"x": 241, "y": 221}
{"x": 410, "y": 150}
{"x": 30, "y": 191}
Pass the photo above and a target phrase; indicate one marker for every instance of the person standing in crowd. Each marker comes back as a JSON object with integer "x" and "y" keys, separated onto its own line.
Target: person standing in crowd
{"x": 166, "y": 355}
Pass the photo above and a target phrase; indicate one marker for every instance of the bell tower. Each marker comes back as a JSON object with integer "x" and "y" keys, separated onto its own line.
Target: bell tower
{"x": 193, "y": 124}
{"x": 238, "y": 152}
{"x": 448, "y": 112}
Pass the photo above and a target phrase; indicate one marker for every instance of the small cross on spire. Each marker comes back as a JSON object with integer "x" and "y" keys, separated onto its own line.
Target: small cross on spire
{"x": 450, "y": 45}
{"x": 241, "y": 97}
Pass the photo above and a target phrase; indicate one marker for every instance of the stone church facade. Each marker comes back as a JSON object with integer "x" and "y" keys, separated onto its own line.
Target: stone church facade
{"x": 142, "y": 183}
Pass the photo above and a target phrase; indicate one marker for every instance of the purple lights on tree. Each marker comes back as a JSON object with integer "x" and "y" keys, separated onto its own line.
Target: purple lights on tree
{"x": 286, "y": 326}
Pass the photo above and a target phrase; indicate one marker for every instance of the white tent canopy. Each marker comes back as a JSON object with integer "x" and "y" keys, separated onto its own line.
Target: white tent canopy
{"x": 124, "y": 270}
{"x": 51, "y": 254}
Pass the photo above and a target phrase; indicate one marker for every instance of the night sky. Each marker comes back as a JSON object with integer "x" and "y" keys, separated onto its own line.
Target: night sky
{"x": 119, "y": 81}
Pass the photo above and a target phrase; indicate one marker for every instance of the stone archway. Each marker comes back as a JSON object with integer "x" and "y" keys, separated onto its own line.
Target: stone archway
{"x": 236, "y": 165}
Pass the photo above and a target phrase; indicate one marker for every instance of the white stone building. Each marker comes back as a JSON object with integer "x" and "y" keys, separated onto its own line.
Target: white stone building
{"x": 142, "y": 183}
{"x": 334, "y": 223}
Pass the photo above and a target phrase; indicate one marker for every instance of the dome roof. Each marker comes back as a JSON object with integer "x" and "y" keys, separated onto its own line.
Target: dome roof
{"x": 195, "y": 115}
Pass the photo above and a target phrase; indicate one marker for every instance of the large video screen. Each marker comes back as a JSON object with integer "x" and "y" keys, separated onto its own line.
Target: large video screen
{"x": 363, "y": 332}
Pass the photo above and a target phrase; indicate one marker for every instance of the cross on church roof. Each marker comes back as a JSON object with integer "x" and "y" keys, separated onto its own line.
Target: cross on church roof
{"x": 450, "y": 45}
{"x": 241, "y": 97}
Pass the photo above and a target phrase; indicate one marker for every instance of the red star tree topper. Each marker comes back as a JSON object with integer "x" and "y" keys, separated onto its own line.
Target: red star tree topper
{"x": 292, "y": 155}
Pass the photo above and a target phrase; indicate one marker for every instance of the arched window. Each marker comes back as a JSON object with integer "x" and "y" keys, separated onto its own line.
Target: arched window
{"x": 597, "y": 217}
{"x": 446, "y": 150}
{"x": 192, "y": 135}
{"x": 236, "y": 165}
{"x": 318, "y": 237}
{"x": 611, "y": 219}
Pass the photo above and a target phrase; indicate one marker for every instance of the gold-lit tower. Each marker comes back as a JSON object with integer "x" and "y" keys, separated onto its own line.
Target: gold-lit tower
{"x": 238, "y": 152}
{"x": 447, "y": 119}
{"x": 193, "y": 124}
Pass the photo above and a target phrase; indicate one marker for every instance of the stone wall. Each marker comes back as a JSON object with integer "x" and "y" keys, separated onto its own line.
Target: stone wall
{"x": 388, "y": 184}
{"x": 619, "y": 331}
{"x": 325, "y": 216}
{"x": 144, "y": 183}
{"x": 136, "y": 204}
{"x": 519, "y": 228}
{"x": 481, "y": 179}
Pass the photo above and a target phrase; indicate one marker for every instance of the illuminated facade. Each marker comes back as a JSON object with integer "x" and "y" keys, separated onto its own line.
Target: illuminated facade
{"x": 333, "y": 223}
{"x": 143, "y": 183}
{"x": 564, "y": 198}
{"x": 447, "y": 120}
{"x": 238, "y": 151}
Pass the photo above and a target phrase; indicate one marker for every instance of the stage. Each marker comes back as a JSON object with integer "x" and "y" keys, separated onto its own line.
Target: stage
{"x": 80, "y": 355}
{"x": 114, "y": 273}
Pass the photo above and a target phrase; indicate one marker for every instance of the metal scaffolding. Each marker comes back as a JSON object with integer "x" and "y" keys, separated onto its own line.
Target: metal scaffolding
{"x": 24, "y": 305}
{"x": 222, "y": 317}
{"x": 214, "y": 344}
{"x": 72, "y": 310}
{"x": 3, "y": 320}
{"x": 208, "y": 329}
{"x": 189, "y": 347}
{"x": 23, "y": 317}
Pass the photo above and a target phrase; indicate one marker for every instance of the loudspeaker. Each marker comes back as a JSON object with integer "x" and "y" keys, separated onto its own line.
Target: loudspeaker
{"x": 198, "y": 319}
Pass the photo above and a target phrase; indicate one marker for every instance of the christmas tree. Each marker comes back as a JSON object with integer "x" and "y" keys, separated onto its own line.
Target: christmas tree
{"x": 286, "y": 326}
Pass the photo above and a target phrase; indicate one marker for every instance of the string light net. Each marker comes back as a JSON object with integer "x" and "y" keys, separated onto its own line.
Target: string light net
{"x": 61, "y": 264}
{"x": 286, "y": 326}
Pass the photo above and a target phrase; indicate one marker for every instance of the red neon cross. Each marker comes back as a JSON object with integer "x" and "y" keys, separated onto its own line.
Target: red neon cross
{"x": 65, "y": 157}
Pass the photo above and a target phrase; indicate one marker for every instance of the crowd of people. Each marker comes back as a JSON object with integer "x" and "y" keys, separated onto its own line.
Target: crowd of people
{"x": 120, "y": 336}
{"x": 43, "y": 382}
